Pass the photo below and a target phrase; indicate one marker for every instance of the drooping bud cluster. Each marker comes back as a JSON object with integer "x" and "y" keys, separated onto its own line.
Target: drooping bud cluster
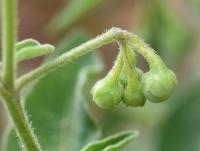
{"x": 128, "y": 84}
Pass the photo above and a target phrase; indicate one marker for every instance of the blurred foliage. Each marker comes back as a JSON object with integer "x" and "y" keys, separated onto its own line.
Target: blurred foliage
{"x": 70, "y": 13}
{"x": 195, "y": 4}
{"x": 181, "y": 130}
{"x": 166, "y": 33}
{"x": 82, "y": 128}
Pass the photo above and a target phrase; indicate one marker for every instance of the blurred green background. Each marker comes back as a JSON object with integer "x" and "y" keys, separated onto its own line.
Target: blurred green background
{"x": 171, "y": 27}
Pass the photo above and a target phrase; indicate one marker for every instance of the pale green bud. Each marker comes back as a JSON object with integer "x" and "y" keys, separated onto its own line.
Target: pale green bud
{"x": 107, "y": 93}
{"x": 158, "y": 84}
{"x": 123, "y": 76}
{"x": 133, "y": 93}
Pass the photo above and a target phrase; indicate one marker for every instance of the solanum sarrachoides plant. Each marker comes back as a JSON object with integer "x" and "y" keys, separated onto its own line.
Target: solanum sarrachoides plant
{"x": 124, "y": 83}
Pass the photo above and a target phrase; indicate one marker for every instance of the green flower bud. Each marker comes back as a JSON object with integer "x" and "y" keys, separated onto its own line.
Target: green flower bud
{"x": 158, "y": 84}
{"x": 123, "y": 76}
{"x": 107, "y": 93}
{"x": 133, "y": 93}
{"x": 131, "y": 79}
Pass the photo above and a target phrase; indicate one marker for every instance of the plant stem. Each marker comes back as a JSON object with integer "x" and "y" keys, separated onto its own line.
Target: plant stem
{"x": 69, "y": 56}
{"x": 19, "y": 118}
{"x": 114, "y": 34}
{"x": 142, "y": 48}
{"x": 7, "y": 91}
{"x": 131, "y": 73}
{"x": 8, "y": 41}
{"x": 115, "y": 72}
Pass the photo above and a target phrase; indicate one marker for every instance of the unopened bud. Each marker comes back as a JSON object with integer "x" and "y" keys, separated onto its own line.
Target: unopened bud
{"x": 133, "y": 93}
{"x": 159, "y": 83}
{"x": 107, "y": 93}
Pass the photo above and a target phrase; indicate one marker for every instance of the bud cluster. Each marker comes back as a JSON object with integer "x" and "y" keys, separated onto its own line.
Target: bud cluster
{"x": 128, "y": 84}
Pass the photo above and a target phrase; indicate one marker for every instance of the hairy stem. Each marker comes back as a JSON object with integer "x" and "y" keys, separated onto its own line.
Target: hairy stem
{"x": 130, "y": 71}
{"x": 142, "y": 48}
{"x": 7, "y": 90}
{"x": 115, "y": 72}
{"x": 114, "y": 34}
{"x": 8, "y": 41}
{"x": 19, "y": 118}
{"x": 69, "y": 56}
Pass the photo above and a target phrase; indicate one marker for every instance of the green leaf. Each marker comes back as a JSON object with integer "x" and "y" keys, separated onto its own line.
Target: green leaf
{"x": 50, "y": 105}
{"x": 83, "y": 130}
{"x": 111, "y": 143}
{"x": 34, "y": 51}
{"x": 26, "y": 43}
{"x": 71, "y": 13}
{"x": 181, "y": 130}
